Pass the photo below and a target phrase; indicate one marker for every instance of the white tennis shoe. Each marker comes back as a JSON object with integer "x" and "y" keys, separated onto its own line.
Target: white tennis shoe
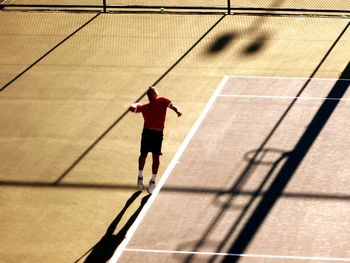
{"x": 140, "y": 183}
{"x": 151, "y": 186}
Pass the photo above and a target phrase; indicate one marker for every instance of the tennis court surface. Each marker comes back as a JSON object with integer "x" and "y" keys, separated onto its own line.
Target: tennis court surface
{"x": 261, "y": 178}
{"x": 260, "y": 174}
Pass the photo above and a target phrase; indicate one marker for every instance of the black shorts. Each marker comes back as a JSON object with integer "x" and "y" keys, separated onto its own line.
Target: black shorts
{"x": 151, "y": 141}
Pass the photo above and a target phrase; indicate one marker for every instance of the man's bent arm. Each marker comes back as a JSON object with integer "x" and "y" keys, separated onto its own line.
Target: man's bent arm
{"x": 133, "y": 107}
{"x": 176, "y": 109}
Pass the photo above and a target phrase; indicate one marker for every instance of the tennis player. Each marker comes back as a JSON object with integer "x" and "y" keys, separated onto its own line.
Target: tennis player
{"x": 154, "y": 114}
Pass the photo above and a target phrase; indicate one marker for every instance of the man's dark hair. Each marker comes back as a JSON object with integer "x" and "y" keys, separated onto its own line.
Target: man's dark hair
{"x": 150, "y": 90}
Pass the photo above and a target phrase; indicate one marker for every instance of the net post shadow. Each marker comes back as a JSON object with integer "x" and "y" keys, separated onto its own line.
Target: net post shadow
{"x": 291, "y": 164}
{"x": 104, "y": 249}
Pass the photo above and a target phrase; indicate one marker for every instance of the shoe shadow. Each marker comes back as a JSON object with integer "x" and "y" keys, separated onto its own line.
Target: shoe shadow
{"x": 105, "y": 248}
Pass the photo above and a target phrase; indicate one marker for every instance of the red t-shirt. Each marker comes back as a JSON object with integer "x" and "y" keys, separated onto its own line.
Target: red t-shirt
{"x": 154, "y": 113}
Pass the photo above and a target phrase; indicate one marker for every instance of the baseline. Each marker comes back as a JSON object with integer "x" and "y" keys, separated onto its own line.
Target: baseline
{"x": 238, "y": 255}
{"x": 281, "y": 97}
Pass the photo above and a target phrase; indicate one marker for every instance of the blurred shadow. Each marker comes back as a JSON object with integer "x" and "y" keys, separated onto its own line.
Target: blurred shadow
{"x": 257, "y": 45}
{"x": 222, "y": 42}
{"x": 106, "y": 247}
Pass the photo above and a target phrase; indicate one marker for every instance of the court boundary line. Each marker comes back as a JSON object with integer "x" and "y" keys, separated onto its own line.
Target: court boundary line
{"x": 19, "y": 75}
{"x": 280, "y": 97}
{"x": 311, "y": 258}
{"x": 286, "y": 77}
{"x": 122, "y": 247}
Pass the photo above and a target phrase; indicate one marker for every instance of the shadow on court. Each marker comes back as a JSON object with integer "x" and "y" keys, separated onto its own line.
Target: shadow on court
{"x": 217, "y": 47}
{"x": 122, "y": 116}
{"x": 293, "y": 160}
{"x": 289, "y": 161}
{"x": 287, "y": 164}
{"x": 223, "y": 41}
{"x": 254, "y": 46}
{"x": 183, "y": 189}
{"x": 104, "y": 249}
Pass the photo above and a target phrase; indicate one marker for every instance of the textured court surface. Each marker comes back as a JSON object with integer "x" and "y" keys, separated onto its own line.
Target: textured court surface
{"x": 230, "y": 167}
{"x": 68, "y": 151}
{"x": 302, "y": 4}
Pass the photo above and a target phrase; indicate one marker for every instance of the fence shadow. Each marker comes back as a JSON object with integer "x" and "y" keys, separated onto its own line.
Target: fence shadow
{"x": 293, "y": 161}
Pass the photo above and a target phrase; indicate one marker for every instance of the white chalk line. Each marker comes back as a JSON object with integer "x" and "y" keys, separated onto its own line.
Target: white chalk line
{"x": 286, "y": 78}
{"x": 122, "y": 247}
{"x": 313, "y": 258}
{"x": 167, "y": 172}
{"x": 281, "y": 97}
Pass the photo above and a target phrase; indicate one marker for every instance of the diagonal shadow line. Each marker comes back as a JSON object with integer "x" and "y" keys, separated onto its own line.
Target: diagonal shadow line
{"x": 173, "y": 189}
{"x": 257, "y": 193}
{"x": 108, "y": 243}
{"x": 105, "y": 248}
{"x": 280, "y": 121}
{"x": 115, "y": 222}
{"x": 47, "y": 53}
{"x": 293, "y": 161}
{"x": 82, "y": 155}
{"x": 251, "y": 165}
{"x": 273, "y": 130}
{"x": 188, "y": 51}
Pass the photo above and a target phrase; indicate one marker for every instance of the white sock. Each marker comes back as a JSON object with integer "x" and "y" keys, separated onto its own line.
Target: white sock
{"x": 140, "y": 173}
{"x": 154, "y": 177}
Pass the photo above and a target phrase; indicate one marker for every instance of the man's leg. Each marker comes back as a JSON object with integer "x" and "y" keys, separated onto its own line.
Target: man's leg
{"x": 155, "y": 163}
{"x": 142, "y": 161}
{"x": 155, "y": 166}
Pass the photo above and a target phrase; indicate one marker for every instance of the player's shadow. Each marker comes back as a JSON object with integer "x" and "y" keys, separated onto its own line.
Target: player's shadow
{"x": 104, "y": 249}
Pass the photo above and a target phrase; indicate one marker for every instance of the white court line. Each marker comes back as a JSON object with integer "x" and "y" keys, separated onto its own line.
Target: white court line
{"x": 285, "y": 78}
{"x": 167, "y": 172}
{"x": 239, "y": 255}
{"x": 280, "y": 97}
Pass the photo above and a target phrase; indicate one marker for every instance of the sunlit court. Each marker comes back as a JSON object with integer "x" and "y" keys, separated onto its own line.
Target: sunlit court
{"x": 254, "y": 161}
{"x": 255, "y": 187}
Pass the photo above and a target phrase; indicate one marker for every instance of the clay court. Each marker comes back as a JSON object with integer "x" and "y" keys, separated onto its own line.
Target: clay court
{"x": 256, "y": 169}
